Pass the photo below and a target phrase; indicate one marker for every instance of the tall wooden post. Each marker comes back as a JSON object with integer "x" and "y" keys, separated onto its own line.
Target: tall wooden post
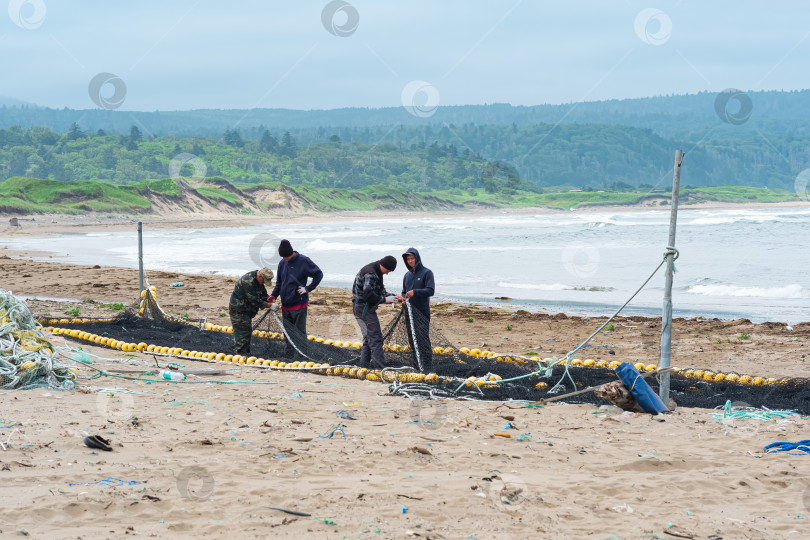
{"x": 666, "y": 317}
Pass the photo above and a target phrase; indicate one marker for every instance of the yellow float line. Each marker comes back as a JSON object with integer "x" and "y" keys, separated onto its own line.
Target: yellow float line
{"x": 697, "y": 374}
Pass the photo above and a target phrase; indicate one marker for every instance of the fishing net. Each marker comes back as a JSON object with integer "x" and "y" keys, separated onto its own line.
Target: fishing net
{"x": 26, "y": 356}
{"x": 421, "y": 362}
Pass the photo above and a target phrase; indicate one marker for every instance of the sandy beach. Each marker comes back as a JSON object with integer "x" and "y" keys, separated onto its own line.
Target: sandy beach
{"x": 207, "y": 459}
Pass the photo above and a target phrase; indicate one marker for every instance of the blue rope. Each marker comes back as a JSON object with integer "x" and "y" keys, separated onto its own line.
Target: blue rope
{"x": 339, "y": 428}
{"x": 803, "y": 447}
{"x": 109, "y": 481}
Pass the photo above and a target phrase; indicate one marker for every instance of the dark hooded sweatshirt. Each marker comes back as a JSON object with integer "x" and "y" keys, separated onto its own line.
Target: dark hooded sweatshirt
{"x": 419, "y": 281}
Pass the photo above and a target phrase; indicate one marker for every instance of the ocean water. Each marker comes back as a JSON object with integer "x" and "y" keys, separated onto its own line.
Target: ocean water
{"x": 747, "y": 263}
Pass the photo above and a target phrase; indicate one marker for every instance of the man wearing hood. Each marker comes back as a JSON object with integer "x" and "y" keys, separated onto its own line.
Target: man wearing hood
{"x": 417, "y": 288}
{"x": 368, "y": 292}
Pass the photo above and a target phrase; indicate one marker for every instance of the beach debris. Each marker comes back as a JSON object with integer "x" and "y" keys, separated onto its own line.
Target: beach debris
{"x": 176, "y": 284}
{"x": 789, "y": 328}
{"x": 346, "y": 415}
{"x": 618, "y": 394}
{"x": 108, "y": 482}
{"x": 404, "y": 509}
{"x": 623, "y": 508}
{"x": 26, "y": 357}
{"x": 795, "y": 449}
{"x": 504, "y": 435}
{"x": 97, "y": 441}
{"x": 326, "y": 521}
{"x": 288, "y": 511}
{"x": 337, "y": 428}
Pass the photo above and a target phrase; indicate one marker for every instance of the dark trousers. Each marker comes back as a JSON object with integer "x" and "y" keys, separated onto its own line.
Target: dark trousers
{"x": 298, "y": 320}
{"x": 371, "y": 355}
{"x": 422, "y": 334}
{"x": 242, "y": 332}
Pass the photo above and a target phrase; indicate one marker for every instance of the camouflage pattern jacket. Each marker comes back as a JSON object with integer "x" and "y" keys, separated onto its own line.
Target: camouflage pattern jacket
{"x": 248, "y": 296}
{"x": 368, "y": 286}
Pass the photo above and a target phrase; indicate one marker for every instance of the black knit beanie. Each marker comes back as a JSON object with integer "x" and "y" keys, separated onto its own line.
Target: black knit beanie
{"x": 389, "y": 263}
{"x": 285, "y": 249}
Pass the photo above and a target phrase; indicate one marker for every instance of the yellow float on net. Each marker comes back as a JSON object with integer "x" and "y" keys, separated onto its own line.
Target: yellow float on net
{"x": 576, "y": 362}
{"x": 432, "y": 378}
{"x": 732, "y": 377}
{"x": 758, "y": 381}
{"x": 541, "y": 385}
{"x": 362, "y": 372}
{"x": 475, "y": 352}
{"x": 746, "y": 379}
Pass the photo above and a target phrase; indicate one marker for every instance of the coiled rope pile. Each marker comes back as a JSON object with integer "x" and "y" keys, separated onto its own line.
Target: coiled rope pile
{"x": 26, "y": 357}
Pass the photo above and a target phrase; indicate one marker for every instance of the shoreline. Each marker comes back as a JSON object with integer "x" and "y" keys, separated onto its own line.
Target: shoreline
{"x": 54, "y": 224}
{"x": 723, "y": 345}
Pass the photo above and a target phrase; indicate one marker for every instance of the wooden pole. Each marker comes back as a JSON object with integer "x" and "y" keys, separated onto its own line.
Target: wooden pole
{"x": 666, "y": 317}
{"x": 140, "y": 257}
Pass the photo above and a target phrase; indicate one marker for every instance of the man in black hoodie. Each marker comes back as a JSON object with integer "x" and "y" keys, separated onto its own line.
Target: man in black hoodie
{"x": 368, "y": 292}
{"x": 417, "y": 288}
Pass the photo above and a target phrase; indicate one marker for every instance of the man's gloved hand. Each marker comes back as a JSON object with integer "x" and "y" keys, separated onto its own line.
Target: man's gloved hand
{"x": 302, "y": 291}
{"x": 273, "y": 307}
{"x": 390, "y": 299}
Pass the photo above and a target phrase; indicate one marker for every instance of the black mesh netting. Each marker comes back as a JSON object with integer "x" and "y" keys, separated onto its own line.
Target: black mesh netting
{"x": 411, "y": 342}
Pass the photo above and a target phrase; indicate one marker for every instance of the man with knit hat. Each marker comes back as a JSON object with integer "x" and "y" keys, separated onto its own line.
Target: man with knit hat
{"x": 292, "y": 274}
{"x": 248, "y": 297}
{"x": 368, "y": 292}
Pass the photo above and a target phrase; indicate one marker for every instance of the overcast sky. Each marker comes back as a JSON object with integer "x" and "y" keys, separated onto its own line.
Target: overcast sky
{"x": 188, "y": 54}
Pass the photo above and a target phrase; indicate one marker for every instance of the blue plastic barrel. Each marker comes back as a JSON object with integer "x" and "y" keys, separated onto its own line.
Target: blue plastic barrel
{"x": 645, "y": 396}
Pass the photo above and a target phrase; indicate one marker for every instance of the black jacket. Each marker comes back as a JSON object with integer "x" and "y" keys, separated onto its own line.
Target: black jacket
{"x": 368, "y": 286}
{"x": 420, "y": 281}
